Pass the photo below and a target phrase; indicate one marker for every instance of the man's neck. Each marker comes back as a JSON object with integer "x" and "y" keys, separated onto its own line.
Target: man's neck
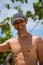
{"x": 22, "y": 34}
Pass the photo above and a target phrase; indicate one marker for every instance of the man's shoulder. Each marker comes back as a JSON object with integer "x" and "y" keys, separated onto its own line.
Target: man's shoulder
{"x": 12, "y": 40}
{"x": 36, "y": 39}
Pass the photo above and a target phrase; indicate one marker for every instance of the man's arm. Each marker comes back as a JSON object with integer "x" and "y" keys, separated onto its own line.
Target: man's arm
{"x": 19, "y": 59}
{"x": 4, "y": 47}
{"x": 40, "y": 51}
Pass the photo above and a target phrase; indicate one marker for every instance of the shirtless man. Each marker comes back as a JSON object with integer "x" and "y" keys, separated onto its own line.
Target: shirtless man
{"x": 26, "y": 49}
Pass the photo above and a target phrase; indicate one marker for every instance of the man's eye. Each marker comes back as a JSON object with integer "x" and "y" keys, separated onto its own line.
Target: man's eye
{"x": 16, "y": 23}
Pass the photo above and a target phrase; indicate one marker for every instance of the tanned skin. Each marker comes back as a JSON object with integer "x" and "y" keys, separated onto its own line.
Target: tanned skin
{"x": 27, "y": 49}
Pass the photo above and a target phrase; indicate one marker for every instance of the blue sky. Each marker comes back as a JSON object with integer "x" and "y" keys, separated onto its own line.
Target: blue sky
{"x": 8, "y": 13}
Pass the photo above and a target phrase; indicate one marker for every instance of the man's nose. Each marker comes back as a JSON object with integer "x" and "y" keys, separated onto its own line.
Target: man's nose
{"x": 19, "y": 25}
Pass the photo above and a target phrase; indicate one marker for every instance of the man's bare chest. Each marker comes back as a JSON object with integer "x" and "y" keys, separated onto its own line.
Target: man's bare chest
{"x": 25, "y": 46}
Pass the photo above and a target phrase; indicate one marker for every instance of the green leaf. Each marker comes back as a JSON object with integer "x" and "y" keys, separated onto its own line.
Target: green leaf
{"x": 2, "y": 60}
{"x": 20, "y": 10}
{"x": 41, "y": 22}
{"x": 16, "y": 7}
{"x": 5, "y": 28}
{"x": 40, "y": 0}
{"x": 5, "y": 54}
{"x": 26, "y": 1}
{"x": 20, "y": 1}
{"x": 12, "y": 1}
{"x": 28, "y": 14}
{"x": 38, "y": 8}
{"x": 7, "y": 5}
{"x": 17, "y": 0}
{"x": 7, "y": 18}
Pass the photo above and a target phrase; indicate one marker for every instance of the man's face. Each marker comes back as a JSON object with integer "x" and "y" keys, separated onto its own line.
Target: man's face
{"x": 19, "y": 24}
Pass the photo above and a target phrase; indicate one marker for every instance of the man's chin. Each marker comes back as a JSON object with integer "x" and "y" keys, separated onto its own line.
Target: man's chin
{"x": 20, "y": 29}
